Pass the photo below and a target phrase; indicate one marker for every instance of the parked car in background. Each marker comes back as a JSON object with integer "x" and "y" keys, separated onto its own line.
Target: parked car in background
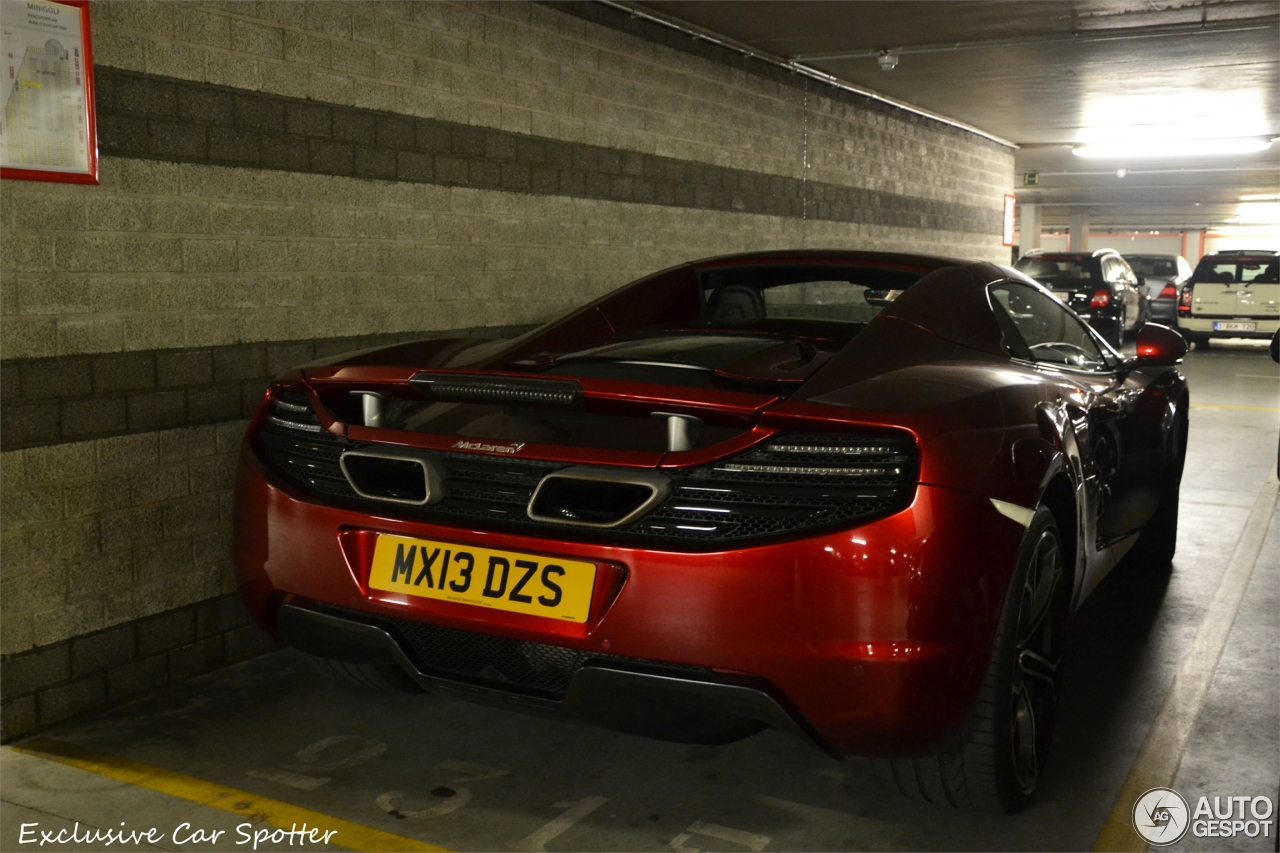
{"x": 1232, "y": 294}
{"x": 1164, "y": 275}
{"x": 850, "y": 495}
{"x": 1275, "y": 356}
{"x": 1099, "y": 286}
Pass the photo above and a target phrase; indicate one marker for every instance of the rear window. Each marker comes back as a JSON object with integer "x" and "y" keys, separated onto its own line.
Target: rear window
{"x": 1066, "y": 272}
{"x": 845, "y": 301}
{"x": 1238, "y": 271}
{"x": 809, "y": 300}
{"x": 1148, "y": 267}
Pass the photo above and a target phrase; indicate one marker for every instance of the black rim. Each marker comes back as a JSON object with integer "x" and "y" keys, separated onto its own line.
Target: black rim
{"x": 1033, "y": 690}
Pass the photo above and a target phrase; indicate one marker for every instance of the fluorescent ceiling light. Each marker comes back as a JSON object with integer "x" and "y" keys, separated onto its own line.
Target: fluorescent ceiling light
{"x": 1258, "y": 213}
{"x": 1172, "y": 147}
{"x": 1261, "y": 197}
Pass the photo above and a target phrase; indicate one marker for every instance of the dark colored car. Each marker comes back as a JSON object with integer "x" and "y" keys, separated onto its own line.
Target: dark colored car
{"x": 1099, "y": 286}
{"x": 1274, "y": 349}
{"x": 850, "y": 495}
{"x": 1164, "y": 276}
{"x": 1233, "y": 294}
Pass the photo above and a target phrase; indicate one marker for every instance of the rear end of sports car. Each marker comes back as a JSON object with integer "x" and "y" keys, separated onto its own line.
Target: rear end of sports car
{"x": 674, "y": 560}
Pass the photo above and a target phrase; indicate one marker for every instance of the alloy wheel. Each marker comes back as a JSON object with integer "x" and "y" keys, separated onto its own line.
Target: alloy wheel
{"x": 1033, "y": 686}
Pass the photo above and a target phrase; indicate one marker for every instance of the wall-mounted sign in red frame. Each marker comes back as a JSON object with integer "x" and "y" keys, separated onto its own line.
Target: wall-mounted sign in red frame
{"x": 1010, "y": 202}
{"x": 48, "y": 128}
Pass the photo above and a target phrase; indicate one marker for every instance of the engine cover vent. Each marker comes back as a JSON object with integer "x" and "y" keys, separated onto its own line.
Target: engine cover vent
{"x": 498, "y": 390}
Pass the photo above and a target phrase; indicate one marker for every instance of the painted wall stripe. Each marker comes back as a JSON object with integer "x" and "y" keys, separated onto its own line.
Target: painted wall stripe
{"x": 149, "y": 117}
{"x": 1161, "y": 752}
{"x": 352, "y": 836}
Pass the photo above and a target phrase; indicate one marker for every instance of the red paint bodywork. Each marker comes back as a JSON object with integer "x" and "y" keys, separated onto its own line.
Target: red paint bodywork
{"x": 878, "y": 634}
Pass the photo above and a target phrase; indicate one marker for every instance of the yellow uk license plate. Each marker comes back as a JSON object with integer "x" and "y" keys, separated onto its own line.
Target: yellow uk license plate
{"x": 503, "y": 580}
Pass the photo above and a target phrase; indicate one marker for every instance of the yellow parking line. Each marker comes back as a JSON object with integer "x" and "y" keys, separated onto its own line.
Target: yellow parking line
{"x": 353, "y": 836}
{"x": 1156, "y": 765}
{"x": 1249, "y": 408}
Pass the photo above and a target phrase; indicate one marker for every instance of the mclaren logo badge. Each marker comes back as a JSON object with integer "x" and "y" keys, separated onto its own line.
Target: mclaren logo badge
{"x": 511, "y": 447}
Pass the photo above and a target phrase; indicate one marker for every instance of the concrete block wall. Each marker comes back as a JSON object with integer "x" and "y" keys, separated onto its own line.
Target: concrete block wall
{"x": 286, "y": 180}
{"x": 99, "y": 533}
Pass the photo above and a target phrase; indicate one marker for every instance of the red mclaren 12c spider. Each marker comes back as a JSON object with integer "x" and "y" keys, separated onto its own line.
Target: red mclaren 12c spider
{"x": 853, "y": 495}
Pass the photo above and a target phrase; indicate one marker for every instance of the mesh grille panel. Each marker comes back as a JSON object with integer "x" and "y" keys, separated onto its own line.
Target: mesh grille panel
{"x": 708, "y": 507}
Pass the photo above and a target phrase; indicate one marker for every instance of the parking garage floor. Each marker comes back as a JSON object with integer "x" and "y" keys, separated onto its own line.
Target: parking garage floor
{"x": 1171, "y": 680}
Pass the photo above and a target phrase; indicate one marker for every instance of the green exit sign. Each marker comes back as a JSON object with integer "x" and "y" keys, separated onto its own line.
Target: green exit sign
{"x": 1031, "y": 179}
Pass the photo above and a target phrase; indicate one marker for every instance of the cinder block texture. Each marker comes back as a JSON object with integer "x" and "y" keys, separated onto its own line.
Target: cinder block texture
{"x": 368, "y": 144}
{"x": 305, "y": 256}
{"x": 51, "y": 683}
{"x": 70, "y": 398}
{"x": 100, "y": 533}
{"x": 575, "y": 74}
{"x": 377, "y": 167}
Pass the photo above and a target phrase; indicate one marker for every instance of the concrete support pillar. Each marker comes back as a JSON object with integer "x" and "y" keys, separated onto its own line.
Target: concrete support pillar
{"x": 1079, "y": 233}
{"x": 1028, "y": 227}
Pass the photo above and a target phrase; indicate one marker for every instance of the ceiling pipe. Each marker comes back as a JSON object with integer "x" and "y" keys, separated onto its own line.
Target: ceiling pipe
{"x": 796, "y": 66}
{"x": 1131, "y": 172}
{"x": 1269, "y": 22}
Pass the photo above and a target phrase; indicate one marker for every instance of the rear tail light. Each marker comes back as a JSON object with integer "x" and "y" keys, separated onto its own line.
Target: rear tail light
{"x": 1169, "y": 292}
{"x": 1101, "y": 299}
{"x": 1184, "y": 301}
{"x": 291, "y": 410}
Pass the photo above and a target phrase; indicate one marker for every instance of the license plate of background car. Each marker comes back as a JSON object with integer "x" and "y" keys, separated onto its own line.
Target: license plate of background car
{"x": 1064, "y": 296}
{"x": 1235, "y": 327}
{"x": 501, "y": 580}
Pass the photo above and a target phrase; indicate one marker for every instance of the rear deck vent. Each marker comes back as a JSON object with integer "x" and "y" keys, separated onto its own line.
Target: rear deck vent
{"x": 498, "y": 391}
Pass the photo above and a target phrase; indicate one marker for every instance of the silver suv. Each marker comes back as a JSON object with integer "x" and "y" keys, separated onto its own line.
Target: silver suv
{"x": 1164, "y": 275}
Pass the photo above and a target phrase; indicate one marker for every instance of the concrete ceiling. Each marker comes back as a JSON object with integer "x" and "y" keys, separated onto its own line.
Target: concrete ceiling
{"x": 1047, "y": 75}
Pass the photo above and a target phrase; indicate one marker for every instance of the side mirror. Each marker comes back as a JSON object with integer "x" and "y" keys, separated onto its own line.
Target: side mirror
{"x": 1160, "y": 345}
{"x": 1142, "y": 280}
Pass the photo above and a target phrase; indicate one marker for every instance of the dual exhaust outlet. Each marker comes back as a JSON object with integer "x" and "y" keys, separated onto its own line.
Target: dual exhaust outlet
{"x": 578, "y": 495}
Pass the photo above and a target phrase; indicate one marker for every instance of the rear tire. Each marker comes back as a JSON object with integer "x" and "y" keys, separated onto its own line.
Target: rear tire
{"x": 1003, "y": 745}
{"x": 1158, "y": 541}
